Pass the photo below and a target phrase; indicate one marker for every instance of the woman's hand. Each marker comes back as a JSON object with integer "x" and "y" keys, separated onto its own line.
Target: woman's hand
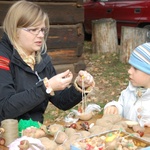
{"x": 60, "y": 81}
{"x": 111, "y": 110}
{"x": 87, "y": 78}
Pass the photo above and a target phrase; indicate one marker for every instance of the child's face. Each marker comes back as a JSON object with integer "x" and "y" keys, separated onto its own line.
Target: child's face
{"x": 139, "y": 78}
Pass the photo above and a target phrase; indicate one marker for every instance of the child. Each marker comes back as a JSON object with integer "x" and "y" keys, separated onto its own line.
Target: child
{"x": 134, "y": 101}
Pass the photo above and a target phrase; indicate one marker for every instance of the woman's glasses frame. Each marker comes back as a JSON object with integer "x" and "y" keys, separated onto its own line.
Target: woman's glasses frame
{"x": 36, "y": 31}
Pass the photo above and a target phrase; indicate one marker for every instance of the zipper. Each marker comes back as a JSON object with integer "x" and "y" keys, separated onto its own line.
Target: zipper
{"x": 39, "y": 78}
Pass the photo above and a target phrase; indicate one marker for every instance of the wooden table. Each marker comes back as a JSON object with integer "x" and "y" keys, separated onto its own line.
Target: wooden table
{"x": 146, "y": 133}
{"x": 3, "y": 148}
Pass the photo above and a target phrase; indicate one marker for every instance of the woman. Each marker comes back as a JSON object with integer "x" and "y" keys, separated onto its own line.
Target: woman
{"x": 28, "y": 80}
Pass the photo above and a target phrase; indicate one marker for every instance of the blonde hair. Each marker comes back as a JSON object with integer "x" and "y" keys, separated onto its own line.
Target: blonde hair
{"x": 24, "y": 14}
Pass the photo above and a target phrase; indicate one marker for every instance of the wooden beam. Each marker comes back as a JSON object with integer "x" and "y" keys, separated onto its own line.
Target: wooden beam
{"x": 59, "y": 13}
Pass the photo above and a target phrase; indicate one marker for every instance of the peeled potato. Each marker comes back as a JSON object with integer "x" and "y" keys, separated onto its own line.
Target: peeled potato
{"x": 131, "y": 123}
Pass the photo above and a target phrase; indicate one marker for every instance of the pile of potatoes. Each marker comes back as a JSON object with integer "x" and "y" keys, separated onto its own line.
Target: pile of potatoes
{"x": 59, "y": 137}
{"x": 63, "y": 138}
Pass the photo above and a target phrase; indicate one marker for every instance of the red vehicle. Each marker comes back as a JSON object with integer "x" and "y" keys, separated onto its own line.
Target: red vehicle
{"x": 133, "y": 13}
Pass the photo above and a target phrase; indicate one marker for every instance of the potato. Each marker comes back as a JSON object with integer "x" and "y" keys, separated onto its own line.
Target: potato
{"x": 55, "y": 128}
{"x": 48, "y": 144}
{"x": 60, "y": 137}
{"x": 84, "y": 134}
{"x": 103, "y": 122}
{"x": 100, "y": 121}
{"x": 75, "y": 137}
{"x": 137, "y": 128}
{"x": 123, "y": 124}
{"x": 33, "y": 132}
{"x": 95, "y": 128}
{"x": 60, "y": 147}
{"x": 117, "y": 127}
{"x": 113, "y": 118}
{"x": 70, "y": 131}
{"x": 67, "y": 144}
{"x": 112, "y": 145}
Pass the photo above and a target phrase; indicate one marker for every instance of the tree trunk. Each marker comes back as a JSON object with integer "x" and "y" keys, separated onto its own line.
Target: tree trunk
{"x": 104, "y": 36}
{"x": 131, "y": 37}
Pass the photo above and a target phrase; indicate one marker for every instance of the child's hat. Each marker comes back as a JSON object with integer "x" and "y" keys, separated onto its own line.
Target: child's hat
{"x": 140, "y": 58}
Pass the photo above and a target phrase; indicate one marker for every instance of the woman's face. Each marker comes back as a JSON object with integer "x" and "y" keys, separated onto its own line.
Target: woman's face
{"x": 30, "y": 39}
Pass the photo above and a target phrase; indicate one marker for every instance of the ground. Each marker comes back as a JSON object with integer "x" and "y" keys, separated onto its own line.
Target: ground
{"x": 110, "y": 76}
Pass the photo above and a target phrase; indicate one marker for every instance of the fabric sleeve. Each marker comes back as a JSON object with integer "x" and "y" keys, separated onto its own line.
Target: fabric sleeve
{"x": 119, "y": 104}
{"x": 14, "y": 104}
{"x": 67, "y": 98}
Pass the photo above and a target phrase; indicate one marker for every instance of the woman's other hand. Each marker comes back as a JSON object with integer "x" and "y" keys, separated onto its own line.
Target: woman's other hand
{"x": 61, "y": 80}
{"x": 86, "y": 77}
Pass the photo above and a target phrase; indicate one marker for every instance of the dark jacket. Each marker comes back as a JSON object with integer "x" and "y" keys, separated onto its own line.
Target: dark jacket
{"x": 22, "y": 94}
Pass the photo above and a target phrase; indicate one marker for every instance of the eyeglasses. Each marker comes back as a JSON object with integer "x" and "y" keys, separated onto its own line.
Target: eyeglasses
{"x": 36, "y": 31}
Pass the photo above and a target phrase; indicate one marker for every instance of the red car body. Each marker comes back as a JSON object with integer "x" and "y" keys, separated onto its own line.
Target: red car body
{"x": 133, "y": 13}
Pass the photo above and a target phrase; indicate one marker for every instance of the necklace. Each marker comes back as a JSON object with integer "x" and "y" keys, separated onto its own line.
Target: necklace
{"x": 84, "y": 100}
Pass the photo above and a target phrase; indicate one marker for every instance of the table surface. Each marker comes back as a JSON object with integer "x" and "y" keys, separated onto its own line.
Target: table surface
{"x": 94, "y": 118}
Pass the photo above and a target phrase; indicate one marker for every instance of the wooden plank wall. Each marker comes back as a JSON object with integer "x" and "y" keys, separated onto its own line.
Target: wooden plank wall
{"x": 66, "y": 36}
